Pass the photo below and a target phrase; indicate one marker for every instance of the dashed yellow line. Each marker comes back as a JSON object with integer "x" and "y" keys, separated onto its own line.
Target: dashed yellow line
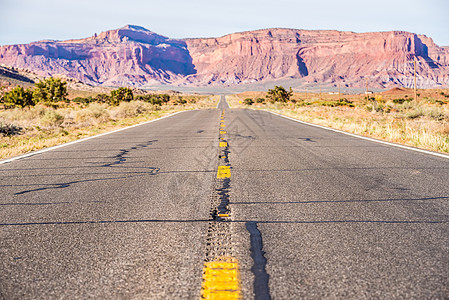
{"x": 223, "y": 144}
{"x": 221, "y": 279}
{"x": 223, "y": 172}
{"x": 222, "y": 132}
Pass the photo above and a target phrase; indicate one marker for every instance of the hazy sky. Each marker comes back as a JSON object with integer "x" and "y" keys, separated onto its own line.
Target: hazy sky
{"x": 24, "y": 21}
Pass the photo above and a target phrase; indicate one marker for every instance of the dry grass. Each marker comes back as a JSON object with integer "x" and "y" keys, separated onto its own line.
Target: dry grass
{"x": 422, "y": 124}
{"x": 22, "y": 131}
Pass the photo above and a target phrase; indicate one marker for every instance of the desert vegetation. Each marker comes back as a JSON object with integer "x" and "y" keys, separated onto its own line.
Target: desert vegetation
{"x": 393, "y": 115}
{"x": 44, "y": 116}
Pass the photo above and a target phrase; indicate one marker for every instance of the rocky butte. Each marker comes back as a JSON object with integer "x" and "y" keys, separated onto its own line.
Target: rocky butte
{"x": 135, "y": 56}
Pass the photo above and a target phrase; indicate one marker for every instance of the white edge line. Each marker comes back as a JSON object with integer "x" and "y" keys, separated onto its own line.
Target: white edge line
{"x": 82, "y": 140}
{"x": 364, "y": 137}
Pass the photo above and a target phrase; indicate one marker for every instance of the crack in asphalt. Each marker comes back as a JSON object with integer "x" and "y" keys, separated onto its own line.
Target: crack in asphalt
{"x": 261, "y": 277}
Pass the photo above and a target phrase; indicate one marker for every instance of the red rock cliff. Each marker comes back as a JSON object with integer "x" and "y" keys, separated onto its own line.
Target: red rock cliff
{"x": 133, "y": 55}
{"x": 318, "y": 56}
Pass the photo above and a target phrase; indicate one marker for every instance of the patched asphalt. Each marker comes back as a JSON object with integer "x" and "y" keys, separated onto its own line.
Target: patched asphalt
{"x": 315, "y": 214}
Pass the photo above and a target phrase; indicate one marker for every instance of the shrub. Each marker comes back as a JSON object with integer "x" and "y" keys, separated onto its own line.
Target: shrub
{"x": 83, "y": 100}
{"x": 50, "y": 90}
{"x": 279, "y": 94}
{"x": 445, "y": 129}
{"x": 341, "y": 102}
{"x": 18, "y": 97}
{"x": 435, "y": 113}
{"x": 345, "y": 102}
{"x": 103, "y": 98}
{"x": 401, "y": 100}
{"x": 164, "y": 98}
{"x": 180, "y": 100}
{"x": 303, "y": 103}
{"x": 132, "y": 109}
{"x": 260, "y": 100}
{"x": 248, "y": 101}
{"x": 9, "y": 129}
{"x": 155, "y": 101}
{"x": 51, "y": 119}
{"x": 94, "y": 113}
{"x": 120, "y": 95}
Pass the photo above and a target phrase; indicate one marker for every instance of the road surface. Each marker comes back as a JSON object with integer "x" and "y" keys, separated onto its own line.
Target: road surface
{"x": 296, "y": 211}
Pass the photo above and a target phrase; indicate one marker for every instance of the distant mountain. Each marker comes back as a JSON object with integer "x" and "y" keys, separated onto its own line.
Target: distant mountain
{"x": 135, "y": 56}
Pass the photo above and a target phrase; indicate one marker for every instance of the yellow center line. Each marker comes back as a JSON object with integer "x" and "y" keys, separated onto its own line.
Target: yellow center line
{"x": 221, "y": 279}
{"x": 223, "y": 144}
{"x": 222, "y": 132}
{"x": 223, "y": 172}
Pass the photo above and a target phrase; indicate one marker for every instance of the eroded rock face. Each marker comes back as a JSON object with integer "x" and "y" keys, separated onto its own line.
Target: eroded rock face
{"x": 135, "y": 56}
{"x": 319, "y": 56}
{"x": 127, "y": 56}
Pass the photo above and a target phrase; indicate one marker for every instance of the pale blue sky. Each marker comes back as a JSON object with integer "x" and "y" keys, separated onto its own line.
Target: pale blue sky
{"x": 24, "y": 21}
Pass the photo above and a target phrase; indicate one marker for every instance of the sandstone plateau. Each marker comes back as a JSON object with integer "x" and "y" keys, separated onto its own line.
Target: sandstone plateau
{"x": 135, "y": 56}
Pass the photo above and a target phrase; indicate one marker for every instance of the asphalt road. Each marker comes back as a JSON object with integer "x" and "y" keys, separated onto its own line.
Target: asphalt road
{"x": 314, "y": 214}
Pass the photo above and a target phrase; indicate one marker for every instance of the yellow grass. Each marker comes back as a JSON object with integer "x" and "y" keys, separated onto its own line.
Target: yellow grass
{"x": 423, "y": 124}
{"x": 44, "y": 127}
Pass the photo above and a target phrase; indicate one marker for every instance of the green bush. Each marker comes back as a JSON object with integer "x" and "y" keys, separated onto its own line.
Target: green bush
{"x": 120, "y": 95}
{"x": 401, "y": 100}
{"x": 155, "y": 99}
{"x": 341, "y": 102}
{"x": 303, "y": 103}
{"x": 18, "y": 97}
{"x": 279, "y": 94}
{"x": 83, "y": 100}
{"x": 180, "y": 100}
{"x": 49, "y": 91}
{"x": 345, "y": 102}
{"x": 103, "y": 98}
{"x": 164, "y": 98}
{"x": 248, "y": 101}
{"x": 260, "y": 100}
